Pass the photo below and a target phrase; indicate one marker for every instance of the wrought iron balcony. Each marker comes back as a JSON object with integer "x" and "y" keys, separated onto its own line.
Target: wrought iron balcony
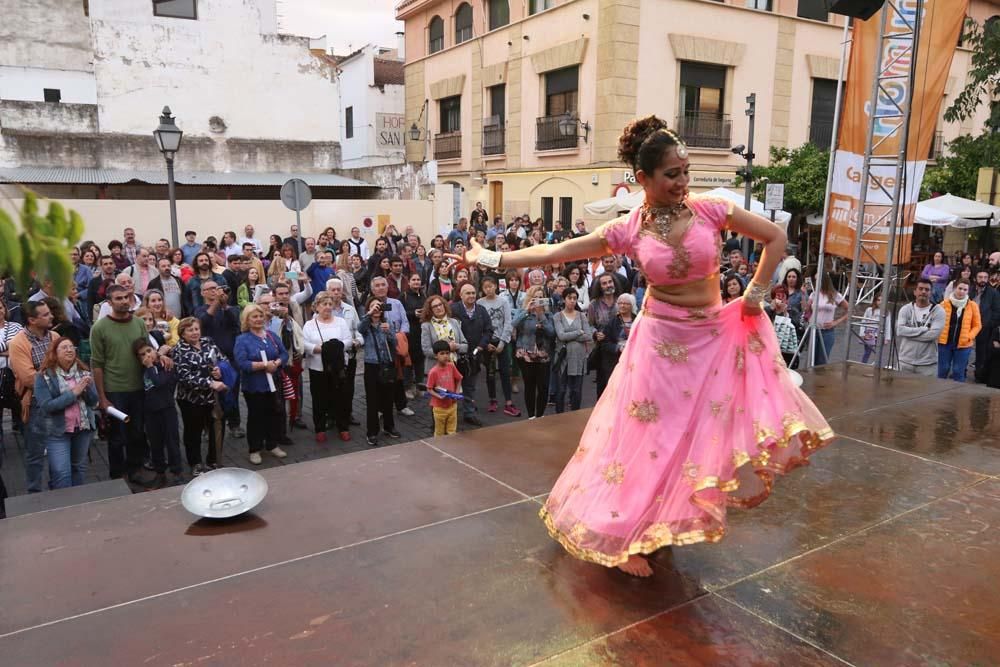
{"x": 705, "y": 130}
{"x": 447, "y": 145}
{"x": 937, "y": 146}
{"x": 555, "y": 132}
{"x": 493, "y": 140}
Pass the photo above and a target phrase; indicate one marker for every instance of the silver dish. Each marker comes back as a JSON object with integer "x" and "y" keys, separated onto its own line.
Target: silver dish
{"x": 796, "y": 377}
{"x": 224, "y": 493}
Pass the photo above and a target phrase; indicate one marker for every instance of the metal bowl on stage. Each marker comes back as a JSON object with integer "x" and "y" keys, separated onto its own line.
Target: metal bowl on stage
{"x": 796, "y": 378}
{"x": 224, "y": 493}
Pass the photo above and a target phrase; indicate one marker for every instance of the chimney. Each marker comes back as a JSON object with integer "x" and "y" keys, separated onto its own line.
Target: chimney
{"x": 400, "y": 46}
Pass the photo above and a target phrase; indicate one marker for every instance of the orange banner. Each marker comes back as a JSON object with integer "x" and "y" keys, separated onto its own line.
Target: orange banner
{"x": 941, "y": 24}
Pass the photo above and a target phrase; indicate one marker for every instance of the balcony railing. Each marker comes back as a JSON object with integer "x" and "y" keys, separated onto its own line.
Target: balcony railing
{"x": 821, "y": 133}
{"x": 705, "y": 130}
{"x": 937, "y": 146}
{"x": 493, "y": 140}
{"x": 554, "y": 132}
{"x": 447, "y": 145}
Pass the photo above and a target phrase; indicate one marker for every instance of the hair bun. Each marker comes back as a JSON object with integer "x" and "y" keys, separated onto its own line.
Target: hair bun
{"x": 636, "y": 132}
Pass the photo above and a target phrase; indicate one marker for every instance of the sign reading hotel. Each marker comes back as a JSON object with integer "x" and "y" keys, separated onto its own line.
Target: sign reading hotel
{"x": 940, "y": 26}
{"x": 389, "y": 128}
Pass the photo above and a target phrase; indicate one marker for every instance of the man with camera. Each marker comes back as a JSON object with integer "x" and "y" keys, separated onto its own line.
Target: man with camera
{"x": 477, "y": 327}
{"x": 394, "y": 315}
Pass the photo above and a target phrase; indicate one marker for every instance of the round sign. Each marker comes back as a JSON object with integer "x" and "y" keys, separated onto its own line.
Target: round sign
{"x": 295, "y": 194}
{"x": 368, "y": 222}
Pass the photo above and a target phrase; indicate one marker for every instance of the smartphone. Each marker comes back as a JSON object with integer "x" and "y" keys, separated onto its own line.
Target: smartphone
{"x": 502, "y": 283}
{"x": 809, "y": 284}
{"x": 386, "y": 307}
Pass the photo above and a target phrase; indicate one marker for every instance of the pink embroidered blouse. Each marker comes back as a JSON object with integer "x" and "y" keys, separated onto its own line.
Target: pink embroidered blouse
{"x": 693, "y": 256}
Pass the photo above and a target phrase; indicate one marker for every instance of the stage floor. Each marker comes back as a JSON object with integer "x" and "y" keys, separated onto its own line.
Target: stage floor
{"x": 885, "y": 551}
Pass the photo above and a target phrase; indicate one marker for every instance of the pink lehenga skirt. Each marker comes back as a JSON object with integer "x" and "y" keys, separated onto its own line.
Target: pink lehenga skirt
{"x": 699, "y": 414}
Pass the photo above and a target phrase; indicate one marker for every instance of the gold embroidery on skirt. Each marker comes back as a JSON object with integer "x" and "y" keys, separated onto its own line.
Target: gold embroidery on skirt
{"x": 645, "y": 411}
{"x": 716, "y": 407}
{"x": 614, "y": 473}
{"x": 653, "y": 455}
{"x": 740, "y": 359}
{"x": 677, "y": 353}
{"x": 755, "y": 343}
{"x": 690, "y": 472}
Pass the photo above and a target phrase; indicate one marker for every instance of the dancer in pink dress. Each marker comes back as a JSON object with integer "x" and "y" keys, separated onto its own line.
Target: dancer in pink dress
{"x": 700, "y": 412}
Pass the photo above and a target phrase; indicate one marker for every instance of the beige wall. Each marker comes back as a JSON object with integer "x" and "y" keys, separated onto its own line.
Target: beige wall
{"x": 106, "y": 218}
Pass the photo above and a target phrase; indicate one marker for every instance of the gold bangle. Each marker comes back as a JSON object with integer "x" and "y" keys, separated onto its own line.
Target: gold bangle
{"x": 755, "y": 292}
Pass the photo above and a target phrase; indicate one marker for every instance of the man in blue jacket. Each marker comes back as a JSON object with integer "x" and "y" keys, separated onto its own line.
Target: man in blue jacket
{"x": 478, "y": 329}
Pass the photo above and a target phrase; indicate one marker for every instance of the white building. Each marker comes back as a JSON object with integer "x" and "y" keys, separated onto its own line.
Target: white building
{"x": 370, "y": 85}
{"x": 82, "y": 85}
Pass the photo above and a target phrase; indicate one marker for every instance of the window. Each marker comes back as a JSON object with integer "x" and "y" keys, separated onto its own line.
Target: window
{"x": 759, "y": 4}
{"x": 535, "y": 6}
{"x": 702, "y": 101}
{"x": 436, "y": 30}
{"x": 52, "y": 94}
{"x": 561, "y": 91}
{"x": 463, "y": 23}
{"x": 349, "y": 122}
{"x": 451, "y": 114}
{"x": 824, "y": 102}
{"x": 498, "y": 103}
{"x": 547, "y": 212}
{"x": 565, "y": 212}
{"x": 703, "y": 88}
{"x": 176, "y": 9}
{"x": 499, "y": 13}
{"x": 813, "y": 9}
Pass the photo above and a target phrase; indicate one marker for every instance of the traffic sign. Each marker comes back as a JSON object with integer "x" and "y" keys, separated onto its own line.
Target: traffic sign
{"x": 295, "y": 194}
{"x": 774, "y": 197}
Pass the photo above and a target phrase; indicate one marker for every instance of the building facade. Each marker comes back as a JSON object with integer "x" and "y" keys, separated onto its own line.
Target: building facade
{"x": 371, "y": 98}
{"x": 82, "y": 85}
{"x": 521, "y": 102}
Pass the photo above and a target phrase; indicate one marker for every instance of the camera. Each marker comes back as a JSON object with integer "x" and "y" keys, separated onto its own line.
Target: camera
{"x": 495, "y": 342}
{"x": 386, "y": 307}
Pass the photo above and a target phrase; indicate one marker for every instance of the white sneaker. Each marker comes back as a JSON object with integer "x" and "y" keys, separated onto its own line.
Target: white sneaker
{"x": 407, "y": 412}
{"x": 530, "y": 418}
{"x": 255, "y": 458}
{"x": 277, "y": 452}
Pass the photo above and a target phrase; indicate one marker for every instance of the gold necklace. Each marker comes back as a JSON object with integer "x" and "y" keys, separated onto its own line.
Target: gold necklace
{"x": 663, "y": 217}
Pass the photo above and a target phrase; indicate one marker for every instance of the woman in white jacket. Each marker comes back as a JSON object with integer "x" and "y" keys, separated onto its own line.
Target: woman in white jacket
{"x": 328, "y": 380}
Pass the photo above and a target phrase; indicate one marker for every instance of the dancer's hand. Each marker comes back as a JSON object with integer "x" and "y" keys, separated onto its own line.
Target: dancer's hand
{"x": 470, "y": 256}
{"x": 750, "y": 308}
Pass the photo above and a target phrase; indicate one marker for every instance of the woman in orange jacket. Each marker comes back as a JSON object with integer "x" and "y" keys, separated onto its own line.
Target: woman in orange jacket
{"x": 962, "y": 325}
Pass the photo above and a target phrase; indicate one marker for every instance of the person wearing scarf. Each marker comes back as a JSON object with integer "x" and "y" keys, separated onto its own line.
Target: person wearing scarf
{"x": 437, "y": 325}
{"x": 62, "y": 413}
{"x": 963, "y": 324}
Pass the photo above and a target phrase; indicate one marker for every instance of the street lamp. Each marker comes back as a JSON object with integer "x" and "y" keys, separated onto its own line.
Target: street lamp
{"x": 168, "y": 140}
{"x": 567, "y": 127}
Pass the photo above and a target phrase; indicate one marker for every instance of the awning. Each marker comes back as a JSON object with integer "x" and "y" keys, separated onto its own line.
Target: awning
{"x": 951, "y": 211}
{"x": 756, "y": 206}
{"x": 29, "y": 175}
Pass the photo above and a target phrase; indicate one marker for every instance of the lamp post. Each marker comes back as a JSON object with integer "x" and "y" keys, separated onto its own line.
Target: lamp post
{"x": 168, "y": 140}
{"x": 746, "y": 152}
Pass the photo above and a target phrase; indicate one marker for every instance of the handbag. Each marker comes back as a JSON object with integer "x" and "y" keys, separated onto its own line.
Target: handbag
{"x": 386, "y": 369}
{"x": 788, "y": 339}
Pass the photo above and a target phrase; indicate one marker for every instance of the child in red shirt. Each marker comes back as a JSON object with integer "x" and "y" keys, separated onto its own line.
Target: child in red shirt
{"x": 444, "y": 376}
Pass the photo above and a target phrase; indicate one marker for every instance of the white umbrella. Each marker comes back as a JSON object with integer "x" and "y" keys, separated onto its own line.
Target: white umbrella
{"x": 949, "y": 210}
{"x": 623, "y": 201}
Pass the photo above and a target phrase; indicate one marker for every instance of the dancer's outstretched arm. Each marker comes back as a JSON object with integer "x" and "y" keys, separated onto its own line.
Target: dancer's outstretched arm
{"x": 582, "y": 247}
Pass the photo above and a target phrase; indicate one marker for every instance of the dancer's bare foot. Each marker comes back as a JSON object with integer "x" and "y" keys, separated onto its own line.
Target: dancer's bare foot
{"x": 637, "y": 566}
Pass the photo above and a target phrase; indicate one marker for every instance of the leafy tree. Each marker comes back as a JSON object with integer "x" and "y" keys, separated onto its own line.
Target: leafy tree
{"x": 958, "y": 171}
{"x": 803, "y": 170}
{"x": 984, "y": 75}
{"x": 41, "y": 248}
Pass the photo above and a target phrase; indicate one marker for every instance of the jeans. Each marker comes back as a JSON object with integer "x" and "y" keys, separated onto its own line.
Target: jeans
{"x": 824, "y": 345}
{"x": 34, "y": 460}
{"x": 68, "y": 458}
{"x": 232, "y": 415}
{"x": 469, "y": 408}
{"x": 574, "y": 383}
{"x": 126, "y": 442}
{"x": 379, "y": 400}
{"x": 265, "y": 419}
{"x": 164, "y": 440}
{"x": 953, "y": 360}
{"x": 536, "y": 386}
{"x": 498, "y": 363}
{"x": 198, "y": 418}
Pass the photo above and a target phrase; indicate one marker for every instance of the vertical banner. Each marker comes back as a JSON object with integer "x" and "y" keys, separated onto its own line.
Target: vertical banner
{"x": 941, "y": 25}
